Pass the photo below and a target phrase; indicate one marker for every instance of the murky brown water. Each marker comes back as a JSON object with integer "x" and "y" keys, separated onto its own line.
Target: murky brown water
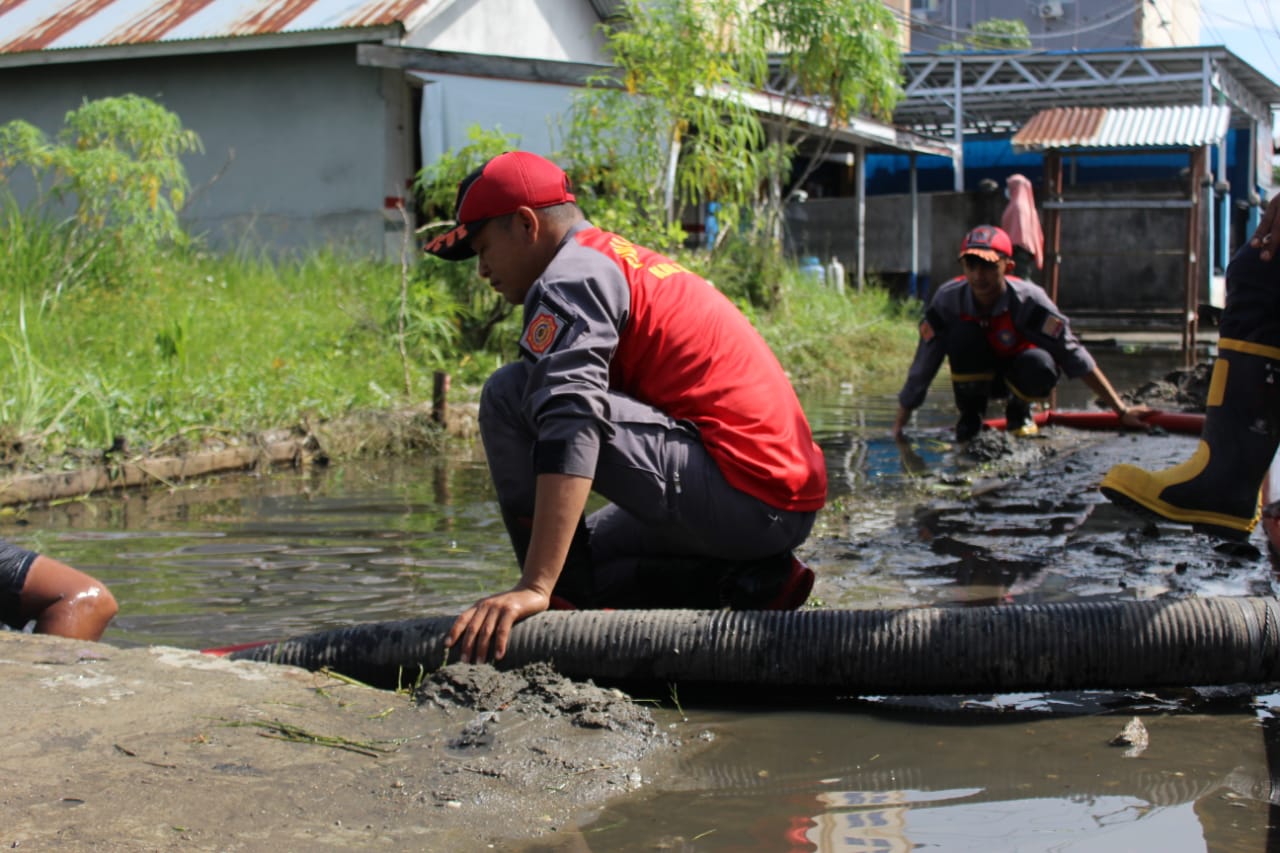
{"x": 255, "y": 558}
{"x": 857, "y": 780}
{"x": 258, "y": 558}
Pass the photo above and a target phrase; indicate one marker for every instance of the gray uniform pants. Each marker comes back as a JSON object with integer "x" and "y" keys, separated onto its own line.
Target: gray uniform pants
{"x": 667, "y": 497}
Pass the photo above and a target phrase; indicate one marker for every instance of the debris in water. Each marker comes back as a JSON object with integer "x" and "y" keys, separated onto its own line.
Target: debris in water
{"x": 1133, "y": 735}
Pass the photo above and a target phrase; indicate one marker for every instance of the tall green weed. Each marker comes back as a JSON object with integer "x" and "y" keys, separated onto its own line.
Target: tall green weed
{"x": 475, "y": 310}
{"x": 101, "y": 197}
{"x": 207, "y": 345}
{"x": 825, "y": 337}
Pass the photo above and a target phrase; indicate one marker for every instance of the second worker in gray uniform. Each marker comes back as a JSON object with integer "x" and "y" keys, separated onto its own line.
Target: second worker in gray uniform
{"x": 1003, "y": 337}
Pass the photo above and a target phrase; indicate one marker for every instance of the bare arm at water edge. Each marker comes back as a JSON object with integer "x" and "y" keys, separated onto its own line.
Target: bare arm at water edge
{"x": 900, "y": 422}
{"x": 1130, "y": 416}
{"x": 65, "y": 601}
{"x": 486, "y": 626}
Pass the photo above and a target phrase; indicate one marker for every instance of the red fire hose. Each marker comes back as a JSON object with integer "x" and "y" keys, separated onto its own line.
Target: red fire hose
{"x": 1184, "y": 423}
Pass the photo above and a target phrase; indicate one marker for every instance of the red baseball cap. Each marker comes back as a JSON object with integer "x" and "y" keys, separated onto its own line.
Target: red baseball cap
{"x": 989, "y": 243}
{"x": 507, "y": 182}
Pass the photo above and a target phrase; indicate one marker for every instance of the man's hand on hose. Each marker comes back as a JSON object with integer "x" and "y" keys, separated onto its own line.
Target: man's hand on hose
{"x": 486, "y": 625}
{"x": 1135, "y": 417}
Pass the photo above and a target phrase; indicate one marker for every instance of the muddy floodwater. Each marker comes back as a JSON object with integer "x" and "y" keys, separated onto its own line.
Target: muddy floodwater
{"x": 251, "y": 558}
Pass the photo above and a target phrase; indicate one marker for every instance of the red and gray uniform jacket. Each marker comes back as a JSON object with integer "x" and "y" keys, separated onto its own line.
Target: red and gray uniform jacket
{"x": 1024, "y": 316}
{"x": 608, "y": 315}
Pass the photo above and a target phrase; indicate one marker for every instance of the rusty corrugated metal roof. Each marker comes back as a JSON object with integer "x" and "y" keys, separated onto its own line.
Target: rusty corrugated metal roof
{"x": 36, "y": 25}
{"x": 1109, "y": 127}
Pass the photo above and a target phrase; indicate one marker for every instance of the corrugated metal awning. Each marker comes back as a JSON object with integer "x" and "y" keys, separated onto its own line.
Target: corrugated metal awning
{"x": 1109, "y": 128}
{"x": 876, "y": 135}
{"x": 43, "y": 25}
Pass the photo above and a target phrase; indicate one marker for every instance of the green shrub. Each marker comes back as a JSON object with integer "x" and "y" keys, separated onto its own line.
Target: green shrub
{"x": 105, "y": 194}
{"x": 453, "y": 287}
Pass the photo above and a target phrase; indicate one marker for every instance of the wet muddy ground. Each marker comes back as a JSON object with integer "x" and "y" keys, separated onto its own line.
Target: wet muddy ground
{"x": 1021, "y": 520}
{"x": 1045, "y": 534}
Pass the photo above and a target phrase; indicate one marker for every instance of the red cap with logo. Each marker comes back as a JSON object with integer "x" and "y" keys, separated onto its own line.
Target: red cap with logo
{"x": 989, "y": 243}
{"x": 507, "y": 182}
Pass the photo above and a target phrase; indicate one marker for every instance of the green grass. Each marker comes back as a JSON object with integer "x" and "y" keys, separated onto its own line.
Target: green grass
{"x": 199, "y": 343}
{"x": 825, "y": 338}
{"x": 233, "y": 345}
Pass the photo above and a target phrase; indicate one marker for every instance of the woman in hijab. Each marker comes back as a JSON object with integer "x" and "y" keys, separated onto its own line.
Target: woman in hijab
{"x": 1021, "y": 222}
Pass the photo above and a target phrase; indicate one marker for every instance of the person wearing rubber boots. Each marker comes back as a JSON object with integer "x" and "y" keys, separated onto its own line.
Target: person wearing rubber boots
{"x": 640, "y": 381}
{"x": 1002, "y": 337}
{"x": 1217, "y": 490}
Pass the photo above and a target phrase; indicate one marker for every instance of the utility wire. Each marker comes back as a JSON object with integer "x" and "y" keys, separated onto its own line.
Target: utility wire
{"x": 1248, "y": 7}
{"x": 1109, "y": 17}
{"x": 1181, "y": 37}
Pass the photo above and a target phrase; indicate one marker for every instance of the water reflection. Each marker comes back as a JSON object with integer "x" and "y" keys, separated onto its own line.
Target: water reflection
{"x": 255, "y": 558}
{"x": 853, "y": 781}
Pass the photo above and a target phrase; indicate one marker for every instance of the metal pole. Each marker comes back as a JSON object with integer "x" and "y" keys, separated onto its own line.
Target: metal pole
{"x": 1194, "y": 255}
{"x": 860, "y": 177}
{"x": 914, "y": 283}
{"x": 1053, "y": 235}
{"x": 957, "y": 120}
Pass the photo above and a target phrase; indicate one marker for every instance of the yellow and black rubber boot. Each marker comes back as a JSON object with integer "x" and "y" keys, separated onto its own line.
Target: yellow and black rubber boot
{"x": 1018, "y": 419}
{"x": 1217, "y": 489}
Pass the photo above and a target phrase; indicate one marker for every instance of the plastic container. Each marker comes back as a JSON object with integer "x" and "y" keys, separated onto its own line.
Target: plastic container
{"x": 835, "y": 274}
{"x": 812, "y": 267}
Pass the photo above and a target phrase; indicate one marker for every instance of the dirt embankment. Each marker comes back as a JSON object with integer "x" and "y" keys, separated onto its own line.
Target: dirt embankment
{"x": 163, "y": 749}
{"x": 26, "y": 480}
{"x": 1178, "y": 391}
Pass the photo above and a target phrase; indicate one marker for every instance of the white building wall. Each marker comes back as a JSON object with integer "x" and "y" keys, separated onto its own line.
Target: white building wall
{"x": 531, "y": 29}
{"x": 451, "y": 105}
{"x": 1170, "y": 23}
{"x": 295, "y": 152}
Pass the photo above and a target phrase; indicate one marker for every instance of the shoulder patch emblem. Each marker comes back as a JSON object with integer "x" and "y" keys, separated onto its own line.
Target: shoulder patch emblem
{"x": 545, "y": 328}
{"x": 926, "y": 331}
{"x": 1051, "y": 327}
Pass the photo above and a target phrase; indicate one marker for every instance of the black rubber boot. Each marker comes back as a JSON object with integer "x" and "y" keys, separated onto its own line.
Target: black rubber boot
{"x": 781, "y": 582}
{"x": 1217, "y": 489}
{"x": 973, "y": 408}
{"x": 1017, "y": 417}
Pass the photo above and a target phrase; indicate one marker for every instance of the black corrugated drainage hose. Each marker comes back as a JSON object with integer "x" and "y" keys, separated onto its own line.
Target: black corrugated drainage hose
{"x": 1062, "y": 646}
